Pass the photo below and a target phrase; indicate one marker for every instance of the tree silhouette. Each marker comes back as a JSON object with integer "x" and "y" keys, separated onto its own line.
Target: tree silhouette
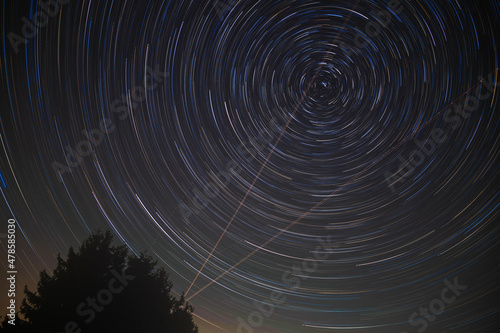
{"x": 101, "y": 288}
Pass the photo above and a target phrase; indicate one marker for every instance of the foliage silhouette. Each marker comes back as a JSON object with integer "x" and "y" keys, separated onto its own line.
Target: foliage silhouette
{"x": 101, "y": 288}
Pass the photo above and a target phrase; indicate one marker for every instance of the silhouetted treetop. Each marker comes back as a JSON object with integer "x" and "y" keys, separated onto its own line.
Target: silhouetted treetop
{"x": 101, "y": 288}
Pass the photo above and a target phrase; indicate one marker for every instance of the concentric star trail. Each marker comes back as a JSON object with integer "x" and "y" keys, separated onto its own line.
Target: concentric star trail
{"x": 268, "y": 156}
{"x": 329, "y": 196}
{"x": 227, "y": 139}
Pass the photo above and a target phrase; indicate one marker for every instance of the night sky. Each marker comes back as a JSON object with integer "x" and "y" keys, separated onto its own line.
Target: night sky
{"x": 342, "y": 156}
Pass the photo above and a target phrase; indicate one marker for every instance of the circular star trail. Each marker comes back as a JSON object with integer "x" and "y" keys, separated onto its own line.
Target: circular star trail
{"x": 229, "y": 138}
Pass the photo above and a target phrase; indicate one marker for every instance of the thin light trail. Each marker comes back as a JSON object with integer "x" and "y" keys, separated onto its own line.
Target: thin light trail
{"x": 257, "y": 249}
{"x": 306, "y": 91}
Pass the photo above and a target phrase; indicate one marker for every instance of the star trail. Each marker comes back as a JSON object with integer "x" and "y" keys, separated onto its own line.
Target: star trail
{"x": 297, "y": 166}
